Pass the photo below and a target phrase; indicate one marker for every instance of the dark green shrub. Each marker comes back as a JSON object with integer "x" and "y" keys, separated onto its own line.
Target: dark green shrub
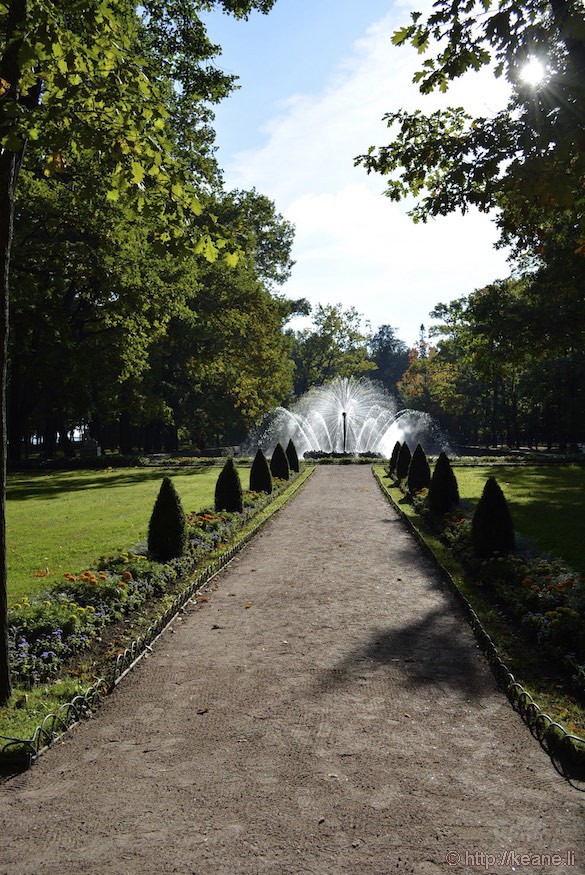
{"x": 403, "y": 461}
{"x": 419, "y": 472}
{"x": 167, "y": 529}
{"x": 492, "y": 529}
{"x": 443, "y": 491}
{"x": 279, "y": 463}
{"x": 228, "y": 489}
{"x": 260, "y": 476}
{"x": 394, "y": 458}
{"x": 292, "y": 456}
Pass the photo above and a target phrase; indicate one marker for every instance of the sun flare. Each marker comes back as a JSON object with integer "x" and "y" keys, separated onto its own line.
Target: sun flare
{"x": 533, "y": 72}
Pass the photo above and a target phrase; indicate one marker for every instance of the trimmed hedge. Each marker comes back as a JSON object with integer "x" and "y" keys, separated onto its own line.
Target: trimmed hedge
{"x": 403, "y": 461}
{"x": 492, "y": 529}
{"x": 443, "y": 490}
{"x": 167, "y": 528}
{"x": 292, "y": 456}
{"x": 260, "y": 476}
{"x": 279, "y": 466}
{"x": 419, "y": 472}
{"x": 228, "y": 489}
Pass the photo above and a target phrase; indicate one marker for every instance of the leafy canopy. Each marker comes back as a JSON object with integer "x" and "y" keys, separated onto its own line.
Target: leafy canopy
{"x": 529, "y": 159}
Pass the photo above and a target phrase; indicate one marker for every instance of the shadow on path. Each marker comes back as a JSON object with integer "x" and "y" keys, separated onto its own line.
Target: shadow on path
{"x": 428, "y": 652}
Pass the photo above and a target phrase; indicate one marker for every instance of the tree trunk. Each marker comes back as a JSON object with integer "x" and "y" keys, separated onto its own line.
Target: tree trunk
{"x": 9, "y": 162}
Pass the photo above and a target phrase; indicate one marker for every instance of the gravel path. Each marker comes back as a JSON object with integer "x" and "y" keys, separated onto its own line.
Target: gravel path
{"x": 323, "y": 709}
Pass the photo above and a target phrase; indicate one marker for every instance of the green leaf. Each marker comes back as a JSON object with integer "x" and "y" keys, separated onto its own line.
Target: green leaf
{"x": 138, "y": 172}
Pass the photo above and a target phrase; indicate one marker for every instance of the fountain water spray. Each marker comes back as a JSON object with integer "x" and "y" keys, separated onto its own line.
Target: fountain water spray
{"x": 348, "y": 415}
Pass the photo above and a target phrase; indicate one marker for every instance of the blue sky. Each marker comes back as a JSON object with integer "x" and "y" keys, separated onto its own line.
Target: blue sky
{"x": 316, "y": 77}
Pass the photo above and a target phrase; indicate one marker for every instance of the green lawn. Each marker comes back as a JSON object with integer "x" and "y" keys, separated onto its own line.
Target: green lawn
{"x": 547, "y": 504}
{"x": 63, "y": 521}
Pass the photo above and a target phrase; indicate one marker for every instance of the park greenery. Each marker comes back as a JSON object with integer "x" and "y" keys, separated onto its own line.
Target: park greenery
{"x": 68, "y": 625}
{"x": 531, "y": 601}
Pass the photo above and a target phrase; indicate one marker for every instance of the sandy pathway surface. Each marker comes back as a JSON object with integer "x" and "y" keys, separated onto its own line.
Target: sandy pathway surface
{"x": 325, "y": 710}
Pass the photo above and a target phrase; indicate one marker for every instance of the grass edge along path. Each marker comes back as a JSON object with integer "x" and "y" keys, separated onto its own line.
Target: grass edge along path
{"x": 565, "y": 749}
{"x": 18, "y": 753}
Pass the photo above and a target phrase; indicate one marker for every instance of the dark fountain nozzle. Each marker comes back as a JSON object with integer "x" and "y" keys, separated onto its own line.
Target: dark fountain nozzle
{"x": 344, "y": 414}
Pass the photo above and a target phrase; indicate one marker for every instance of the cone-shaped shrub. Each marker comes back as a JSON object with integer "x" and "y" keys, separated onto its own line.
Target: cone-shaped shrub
{"x": 292, "y": 456}
{"x": 443, "y": 491}
{"x": 279, "y": 463}
{"x": 260, "y": 476}
{"x": 403, "y": 461}
{"x": 394, "y": 458}
{"x": 492, "y": 529}
{"x": 228, "y": 489}
{"x": 168, "y": 527}
{"x": 419, "y": 472}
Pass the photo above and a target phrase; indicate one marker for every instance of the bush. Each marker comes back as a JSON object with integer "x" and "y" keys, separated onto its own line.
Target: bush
{"x": 492, "y": 529}
{"x": 292, "y": 456}
{"x": 279, "y": 463}
{"x": 394, "y": 458}
{"x": 403, "y": 461}
{"x": 419, "y": 472}
{"x": 260, "y": 476}
{"x": 228, "y": 489}
{"x": 168, "y": 526}
{"x": 443, "y": 489}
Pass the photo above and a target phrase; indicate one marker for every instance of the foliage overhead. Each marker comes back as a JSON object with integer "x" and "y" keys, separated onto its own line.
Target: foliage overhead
{"x": 528, "y": 159}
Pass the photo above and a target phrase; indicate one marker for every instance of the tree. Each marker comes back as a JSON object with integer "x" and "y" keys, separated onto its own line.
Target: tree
{"x": 394, "y": 458}
{"x": 167, "y": 529}
{"x": 95, "y": 65}
{"x": 228, "y": 489}
{"x": 335, "y": 347}
{"x": 443, "y": 489}
{"x": 492, "y": 529}
{"x": 292, "y": 456}
{"x": 279, "y": 466}
{"x": 419, "y": 472}
{"x": 260, "y": 476}
{"x": 390, "y": 356}
{"x": 528, "y": 159}
{"x": 403, "y": 461}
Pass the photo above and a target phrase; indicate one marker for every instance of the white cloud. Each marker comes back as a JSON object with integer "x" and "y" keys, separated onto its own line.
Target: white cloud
{"x": 352, "y": 244}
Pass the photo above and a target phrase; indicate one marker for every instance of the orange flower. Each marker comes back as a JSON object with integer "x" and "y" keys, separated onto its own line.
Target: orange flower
{"x": 127, "y": 575}
{"x": 121, "y": 583}
{"x": 534, "y": 586}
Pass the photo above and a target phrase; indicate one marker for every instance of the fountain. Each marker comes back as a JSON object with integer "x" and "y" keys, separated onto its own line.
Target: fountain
{"x": 348, "y": 415}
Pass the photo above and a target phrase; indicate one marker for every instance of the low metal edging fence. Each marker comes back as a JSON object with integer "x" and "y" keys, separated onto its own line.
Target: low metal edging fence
{"x": 566, "y": 751}
{"x": 56, "y": 724}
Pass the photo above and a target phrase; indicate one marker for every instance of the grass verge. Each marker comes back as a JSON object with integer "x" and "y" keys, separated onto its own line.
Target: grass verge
{"x": 29, "y": 707}
{"x": 546, "y": 501}
{"x": 61, "y": 521}
{"x": 524, "y": 661}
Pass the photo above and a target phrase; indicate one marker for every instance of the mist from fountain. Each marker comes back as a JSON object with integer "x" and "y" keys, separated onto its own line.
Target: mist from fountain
{"x": 349, "y": 414}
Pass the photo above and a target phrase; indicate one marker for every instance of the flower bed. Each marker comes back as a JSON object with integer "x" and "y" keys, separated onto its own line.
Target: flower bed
{"x": 61, "y": 622}
{"x": 543, "y": 597}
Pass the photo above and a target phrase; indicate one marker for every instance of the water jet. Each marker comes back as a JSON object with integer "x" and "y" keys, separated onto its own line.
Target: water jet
{"x": 348, "y": 415}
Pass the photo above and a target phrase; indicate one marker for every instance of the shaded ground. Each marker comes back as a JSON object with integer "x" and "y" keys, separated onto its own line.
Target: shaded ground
{"x": 322, "y": 709}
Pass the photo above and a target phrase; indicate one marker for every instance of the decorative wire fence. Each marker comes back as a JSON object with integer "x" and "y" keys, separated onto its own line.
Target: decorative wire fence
{"x": 567, "y": 751}
{"x": 20, "y": 752}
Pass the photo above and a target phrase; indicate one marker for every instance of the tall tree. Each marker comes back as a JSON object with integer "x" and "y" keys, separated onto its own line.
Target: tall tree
{"x": 77, "y": 75}
{"x": 528, "y": 159}
{"x": 390, "y": 356}
{"x": 336, "y": 346}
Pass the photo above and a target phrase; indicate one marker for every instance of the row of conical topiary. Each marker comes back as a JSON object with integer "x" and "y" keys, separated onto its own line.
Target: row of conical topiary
{"x": 167, "y": 530}
{"x": 492, "y": 528}
{"x": 443, "y": 492}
